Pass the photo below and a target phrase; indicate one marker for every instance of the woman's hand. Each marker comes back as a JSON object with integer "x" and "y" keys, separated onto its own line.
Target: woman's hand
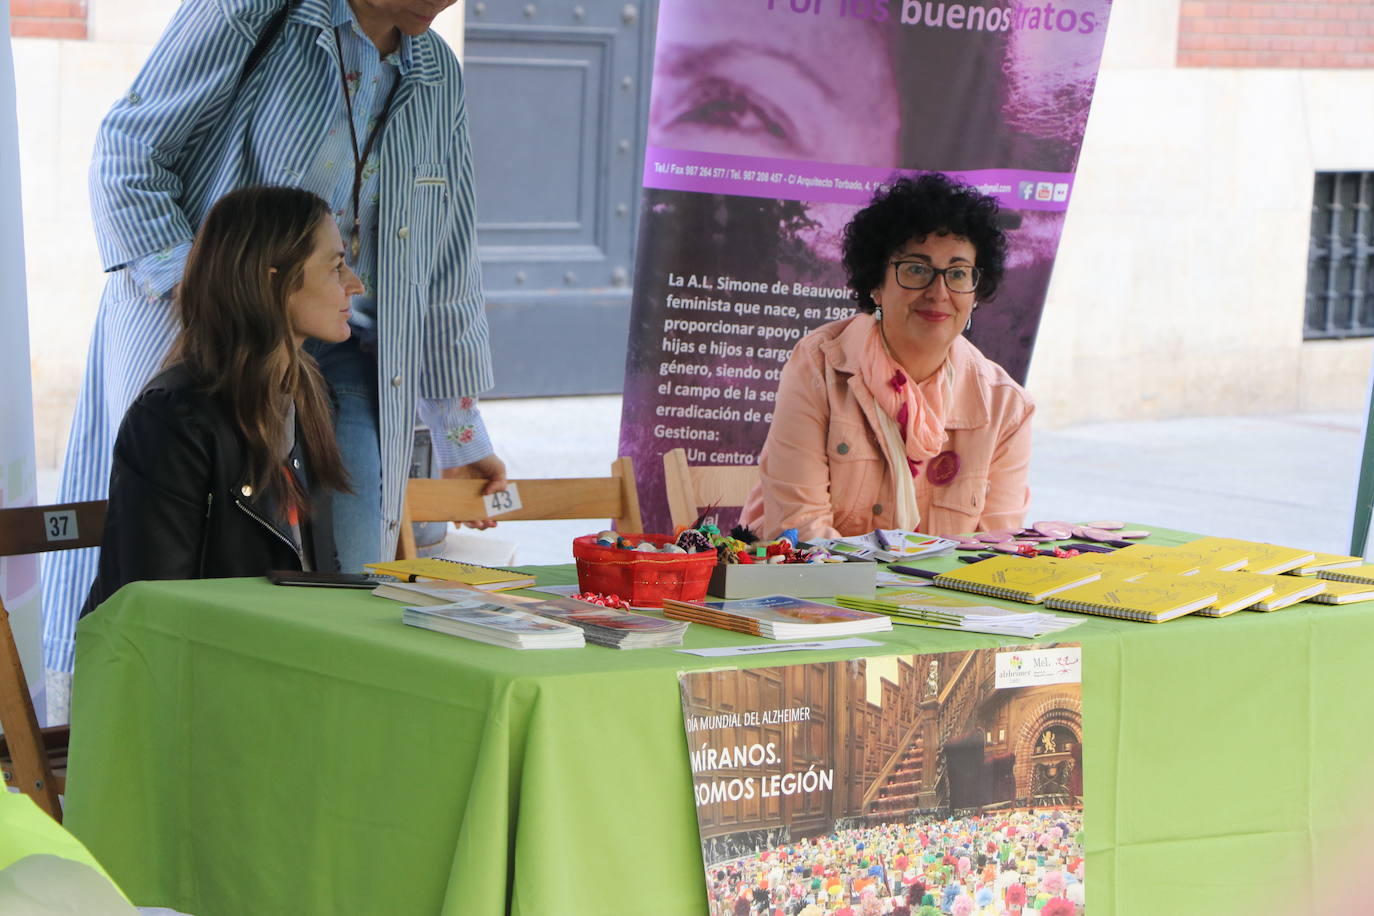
{"x": 494, "y": 470}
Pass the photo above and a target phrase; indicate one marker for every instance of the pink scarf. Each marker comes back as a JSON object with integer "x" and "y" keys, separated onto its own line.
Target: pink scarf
{"x": 918, "y": 408}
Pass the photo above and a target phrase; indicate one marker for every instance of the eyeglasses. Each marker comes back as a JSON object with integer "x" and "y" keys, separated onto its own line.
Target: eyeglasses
{"x": 959, "y": 278}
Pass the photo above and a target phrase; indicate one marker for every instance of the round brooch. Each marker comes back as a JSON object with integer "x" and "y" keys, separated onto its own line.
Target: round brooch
{"x": 943, "y": 468}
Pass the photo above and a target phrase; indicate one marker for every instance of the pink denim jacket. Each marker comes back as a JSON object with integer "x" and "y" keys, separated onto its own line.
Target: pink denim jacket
{"x": 823, "y": 468}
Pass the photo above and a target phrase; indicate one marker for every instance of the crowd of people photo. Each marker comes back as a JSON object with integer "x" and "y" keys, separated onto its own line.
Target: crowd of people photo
{"x": 1017, "y": 863}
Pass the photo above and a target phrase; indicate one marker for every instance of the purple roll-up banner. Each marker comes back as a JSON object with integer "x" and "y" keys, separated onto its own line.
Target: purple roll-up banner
{"x": 770, "y": 123}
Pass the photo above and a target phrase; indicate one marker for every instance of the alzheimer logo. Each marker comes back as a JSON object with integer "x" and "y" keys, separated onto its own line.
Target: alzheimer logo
{"x": 1039, "y": 667}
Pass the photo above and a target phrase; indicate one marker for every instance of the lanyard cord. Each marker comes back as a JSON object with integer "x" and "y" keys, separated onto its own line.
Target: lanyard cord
{"x": 360, "y": 159}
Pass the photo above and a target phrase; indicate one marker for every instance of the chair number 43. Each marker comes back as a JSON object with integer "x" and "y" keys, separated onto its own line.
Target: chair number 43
{"x": 507, "y": 500}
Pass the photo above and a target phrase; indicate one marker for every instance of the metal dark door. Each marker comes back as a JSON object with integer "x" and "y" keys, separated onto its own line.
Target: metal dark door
{"x": 557, "y": 98}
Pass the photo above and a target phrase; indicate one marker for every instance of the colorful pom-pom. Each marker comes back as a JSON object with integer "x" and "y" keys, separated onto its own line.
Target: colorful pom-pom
{"x": 693, "y": 541}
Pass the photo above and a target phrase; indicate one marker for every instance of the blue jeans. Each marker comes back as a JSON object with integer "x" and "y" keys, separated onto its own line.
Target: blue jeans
{"x": 358, "y": 515}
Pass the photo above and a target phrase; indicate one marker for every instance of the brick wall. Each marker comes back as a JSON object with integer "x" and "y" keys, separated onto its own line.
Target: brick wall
{"x": 48, "y": 18}
{"x": 1316, "y": 34}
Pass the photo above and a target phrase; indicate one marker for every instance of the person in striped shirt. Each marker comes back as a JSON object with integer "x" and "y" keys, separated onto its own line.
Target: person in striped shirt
{"x": 360, "y": 103}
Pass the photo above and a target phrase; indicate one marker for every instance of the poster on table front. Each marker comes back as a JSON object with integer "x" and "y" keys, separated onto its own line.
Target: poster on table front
{"x": 770, "y": 123}
{"x": 952, "y": 780}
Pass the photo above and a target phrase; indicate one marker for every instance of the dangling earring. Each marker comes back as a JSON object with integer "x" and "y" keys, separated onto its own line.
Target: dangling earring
{"x": 878, "y": 313}
{"x": 969, "y": 325}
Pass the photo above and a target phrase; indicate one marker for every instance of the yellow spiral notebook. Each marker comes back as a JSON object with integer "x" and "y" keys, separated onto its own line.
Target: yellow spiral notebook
{"x": 1259, "y": 557}
{"x": 1344, "y": 593}
{"x": 1152, "y": 598}
{"x": 1183, "y": 558}
{"x": 1324, "y": 561}
{"x": 486, "y": 578}
{"x": 1137, "y": 559}
{"x": 1236, "y": 591}
{"x": 1287, "y": 590}
{"x": 1363, "y": 574}
{"x": 1026, "y": 579}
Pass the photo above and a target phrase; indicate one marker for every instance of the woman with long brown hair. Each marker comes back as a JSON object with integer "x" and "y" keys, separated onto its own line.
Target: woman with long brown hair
{"x": 224, "y": 464}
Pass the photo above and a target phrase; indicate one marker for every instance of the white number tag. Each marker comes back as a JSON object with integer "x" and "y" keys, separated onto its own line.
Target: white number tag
{"x": 60, "y": 526}
{"x": 507, "y": 500}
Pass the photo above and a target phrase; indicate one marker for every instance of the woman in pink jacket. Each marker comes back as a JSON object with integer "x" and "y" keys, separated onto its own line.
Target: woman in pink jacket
{"x": 891, "y": 419}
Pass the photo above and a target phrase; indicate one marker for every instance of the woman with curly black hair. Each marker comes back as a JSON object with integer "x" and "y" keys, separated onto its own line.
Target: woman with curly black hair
{"x": 891, "y": 419}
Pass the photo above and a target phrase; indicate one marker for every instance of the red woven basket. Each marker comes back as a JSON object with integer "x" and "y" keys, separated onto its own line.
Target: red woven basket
{"x": 644, "y": 579}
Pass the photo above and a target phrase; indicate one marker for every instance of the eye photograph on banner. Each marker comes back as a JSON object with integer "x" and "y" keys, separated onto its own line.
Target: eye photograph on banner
{"x": 890, "y": 784}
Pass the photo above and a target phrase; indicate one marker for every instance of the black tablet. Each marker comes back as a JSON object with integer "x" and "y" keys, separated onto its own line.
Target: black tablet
{"x": 327, "y": 579}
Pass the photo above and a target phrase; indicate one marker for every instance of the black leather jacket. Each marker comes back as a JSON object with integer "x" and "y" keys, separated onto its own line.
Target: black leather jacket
{"x": 180, "y": 506}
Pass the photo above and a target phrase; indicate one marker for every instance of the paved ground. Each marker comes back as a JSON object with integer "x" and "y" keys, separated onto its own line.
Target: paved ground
{"x": 1286, "y": 478}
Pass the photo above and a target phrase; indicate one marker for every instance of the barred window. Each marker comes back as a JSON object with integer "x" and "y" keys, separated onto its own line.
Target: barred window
{"x": 1340, "y": 261}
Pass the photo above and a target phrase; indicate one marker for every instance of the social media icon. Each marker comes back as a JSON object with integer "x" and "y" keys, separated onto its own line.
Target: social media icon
{"x": 1026, "y": 189}
{"x": 1044, "y": 190}
{"x": 1061, "y": 191}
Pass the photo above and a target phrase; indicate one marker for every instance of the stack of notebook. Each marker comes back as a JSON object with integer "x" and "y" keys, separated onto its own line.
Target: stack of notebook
{"x": 1026, "y": 579}
{"x": 1344, "y": 593}
{"x": 1245, "y": 574}
{"x": 1142, "y": 558}
{"x": 927, "y": 608}
{"x": 1362, "y": 574}
{"x": 1151, "y": 598}
{"x": 496, "y": 624}
{"x": 486, "y": 578}
{"x": 778, "y": 617}
{"x": 1287, "y": 590}
{"x": 1325, "y": 561}
{"x": 1235, "y": 590}
{"x": 1227, "y": 556}
{"x": 606, "y": 626}
{"x": 1258, "y": 557}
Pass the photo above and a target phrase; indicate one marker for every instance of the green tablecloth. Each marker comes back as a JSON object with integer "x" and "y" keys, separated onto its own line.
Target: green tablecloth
{"x": 243, "y": 748}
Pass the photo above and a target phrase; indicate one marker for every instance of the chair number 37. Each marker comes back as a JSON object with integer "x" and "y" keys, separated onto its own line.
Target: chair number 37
{"x": 60, "y": 526}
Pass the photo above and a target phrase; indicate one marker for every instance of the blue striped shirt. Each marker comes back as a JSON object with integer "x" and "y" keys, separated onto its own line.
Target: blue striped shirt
{"x": 460, "y": 436}
{"x": 181, "y": 138}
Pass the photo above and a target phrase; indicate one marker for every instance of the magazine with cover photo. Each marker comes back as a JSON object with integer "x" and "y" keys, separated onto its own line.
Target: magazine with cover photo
{"x": 495, "y": 624}
{"x": 607, "y": 626}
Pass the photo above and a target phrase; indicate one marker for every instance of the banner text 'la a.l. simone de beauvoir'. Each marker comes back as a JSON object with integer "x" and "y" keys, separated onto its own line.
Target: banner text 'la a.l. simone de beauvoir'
{"x": 771, "y": 122}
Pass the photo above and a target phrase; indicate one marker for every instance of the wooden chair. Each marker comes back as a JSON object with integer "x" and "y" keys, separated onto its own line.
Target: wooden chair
{"x": 690, "y": 489}
{"x": 613, "y": 497}
{"x": 35, "y": 760}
